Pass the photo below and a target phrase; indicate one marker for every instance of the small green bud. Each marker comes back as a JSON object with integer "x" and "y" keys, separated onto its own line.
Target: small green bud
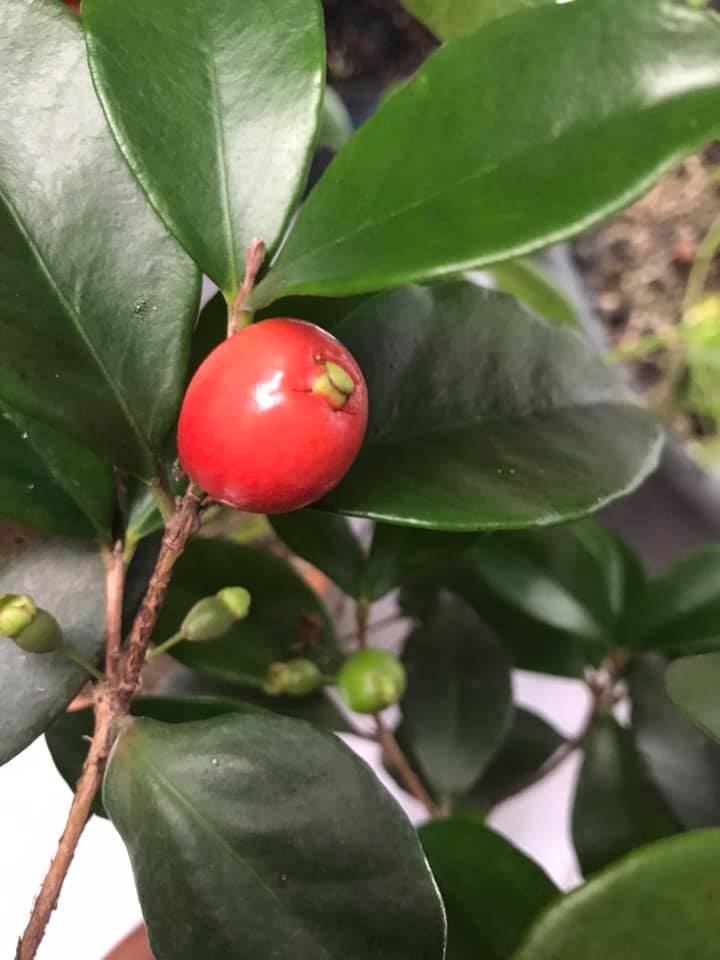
{"x": 296, "y": 678}
{"x": 209, "y": 619}
{"x": 42, "y": 635}
{"x": 212, "y": 617}
{"x": 16, "y": 612}
{"x": 371, "y": 680}
{"x": 237, "y": 600}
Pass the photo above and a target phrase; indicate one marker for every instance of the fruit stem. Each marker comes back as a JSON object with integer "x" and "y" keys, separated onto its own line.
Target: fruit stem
{"x": 80, "y": 660}
{"x": 166, "y": 645}
{"x": 238, "y": 316}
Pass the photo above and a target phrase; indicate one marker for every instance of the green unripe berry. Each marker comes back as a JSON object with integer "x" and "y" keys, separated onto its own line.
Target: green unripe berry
{"x": 212, "y": 617}
{"x": 17, "y": 611}
{"x": 371, "y": 680}
{"x": 42, "y": 635}
{"x": 296, "y": 678}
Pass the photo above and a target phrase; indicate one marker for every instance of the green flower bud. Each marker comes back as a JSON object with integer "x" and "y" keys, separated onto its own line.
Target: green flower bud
{"x": 296, "y": 678}
{"x": 209, "y": 619}
{"x": 16, "y": 612}
{"x": 42, "y": 635}
{"x": 237, "y": 600}
{"x": 371, "y": 680}
{"x": 212, "y": 617}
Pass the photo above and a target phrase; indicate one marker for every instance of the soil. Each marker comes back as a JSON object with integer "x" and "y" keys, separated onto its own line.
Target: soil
{"x": 636, "y": 270}
{"x": 372, "y": 44}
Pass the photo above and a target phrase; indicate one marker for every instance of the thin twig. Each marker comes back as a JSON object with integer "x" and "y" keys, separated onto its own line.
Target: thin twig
{"x": 87, "y": 787}
{"x": 114, "y": 588}
{"x": 376, "y": 625}
{"x": 254, "y": 256}
{"x": 556, "y": 760}
{"x": 396, "y": 759}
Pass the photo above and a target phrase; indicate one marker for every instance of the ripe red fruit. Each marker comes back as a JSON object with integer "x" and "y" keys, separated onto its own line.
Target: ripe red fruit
{"x": 273, "y": 418}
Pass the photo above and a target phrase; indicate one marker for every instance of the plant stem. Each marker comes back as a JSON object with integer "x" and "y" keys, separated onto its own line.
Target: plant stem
{"x": 362, "y": 612}
{"x": 114, "y": 590}
{"x": 701, "y": 266}
{"x": 112, "y": 703}
{"x": 162, "y": 647}
{"x": 238, "y": 317}
{"x": 81, "y": 661}
{"x": 178, "y": 531}
{"x": 87, "y": 787}
{"x": 398, "y": 761}
{"x": 564, "y": 751}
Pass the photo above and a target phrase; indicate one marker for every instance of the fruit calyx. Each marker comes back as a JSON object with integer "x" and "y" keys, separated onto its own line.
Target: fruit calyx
{"x": 335, "y": 384}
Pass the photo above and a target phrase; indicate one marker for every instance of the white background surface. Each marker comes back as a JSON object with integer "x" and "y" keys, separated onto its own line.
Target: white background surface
{"x": 98, "y": 905}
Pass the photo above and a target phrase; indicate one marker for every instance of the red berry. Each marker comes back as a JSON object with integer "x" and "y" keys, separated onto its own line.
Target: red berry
{"x": 273, "y": 418}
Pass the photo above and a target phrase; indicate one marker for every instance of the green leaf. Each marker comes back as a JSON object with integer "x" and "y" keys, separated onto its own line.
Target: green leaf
{"x": 458, "y": 704}
{"x": 531, "y": 645}
{"x": 483, "y": 416}
{"x": 286, "y": 618}
{"x": 530, "y": 284}
{"x": 679, "y": 611}
{"x": 693, "y": 684}
{"x": 492, "y": 892}
{"x": 682, "y": 761}
{"x": 51, "y": 482}
{"x": 398, "y": 554}
{"x": 215, "y": 109}
{"x": 327, "y": 542}
{"x": 67, "y": 736}
{"x": 528, "y": 746}
{"x": 616, "y": 806}
{"x": 67, "y": 579}
{"x": 571, "y": 578}
{"x": 97, "y": 300}
{"x": 262, "y": 836}
{"x": 657, "y": 903}
{"x": 454, "y": 18}
{"x": 336, "y": 126}
{"x": 476, "y": 161}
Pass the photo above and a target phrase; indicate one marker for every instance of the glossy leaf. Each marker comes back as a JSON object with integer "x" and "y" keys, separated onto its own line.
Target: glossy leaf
{"x": 682, "y": 761}
{"x": 531, "y": 284}
{"x": 571, "y": 578}
{"x": 475, "y": 162}
{"x": 215, "y": 108}
{"x": 483, "y": 416}
{"x": 458, "y": 704}
{"x": 327, "y": 542}
{"x": 286, "y": 618}
{"x": 454, "y": 18}
{"x": 263, "y": 836}
{"x": 679, "y": 610}
{"x": 51, "y": 482}
{"x": 97, "y": 300}
{"x": 67, "y": 579}
{"x": 616, "y": 806}
{"x": 530, "y": 743}
{"x": 398, "y": 554}
{"x": 692, "y": 683}
{"x": 531, "y": 645}
{"x": 656, "y": 903}
{"x": 67, "y": 737}
{"x": 492, "y": 892}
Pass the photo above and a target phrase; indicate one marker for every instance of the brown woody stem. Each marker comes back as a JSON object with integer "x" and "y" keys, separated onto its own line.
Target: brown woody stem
{"x": 237, "y": 316}
{"x": 112, "y": 701}
{"x": 87, "y": 787}
{"x": 396, "y": 759}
